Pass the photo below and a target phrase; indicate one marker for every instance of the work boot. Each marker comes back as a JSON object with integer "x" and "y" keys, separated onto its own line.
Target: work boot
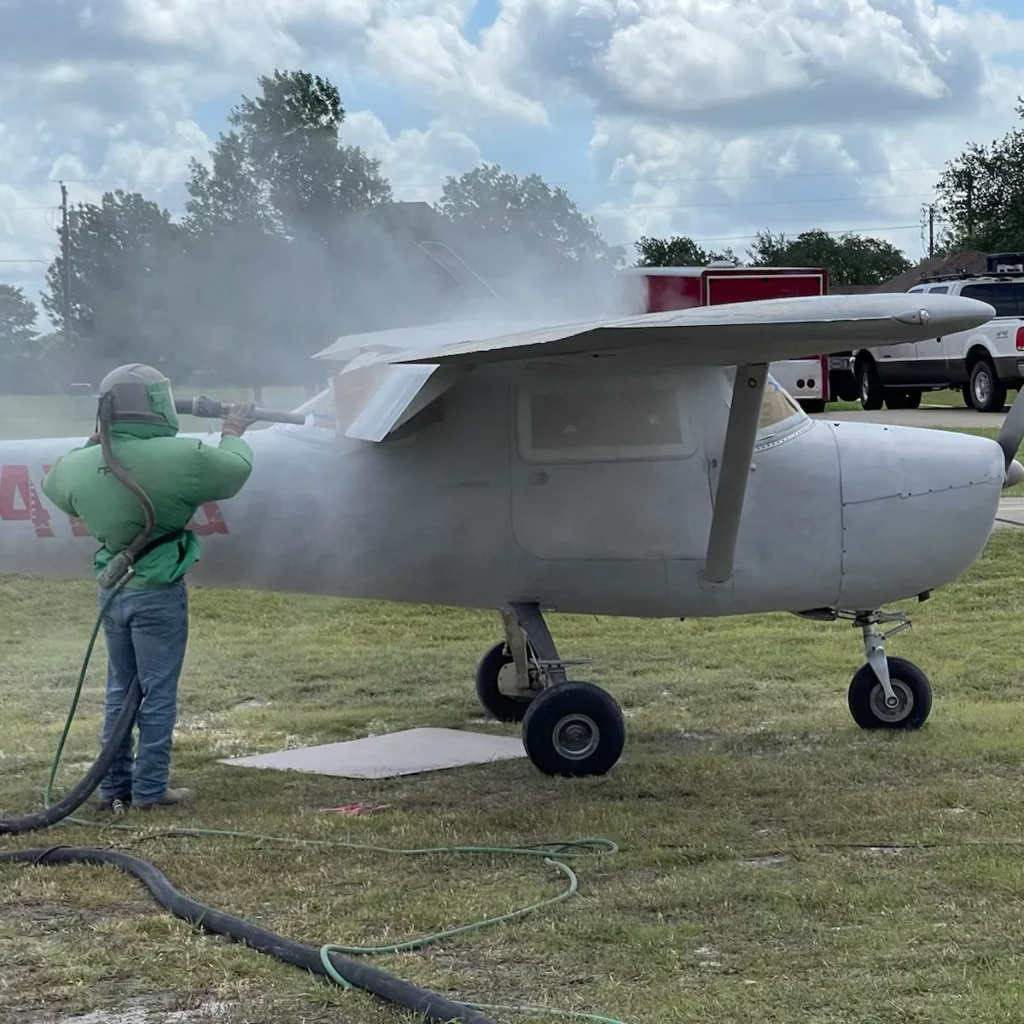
{"x": 171, "y": 798}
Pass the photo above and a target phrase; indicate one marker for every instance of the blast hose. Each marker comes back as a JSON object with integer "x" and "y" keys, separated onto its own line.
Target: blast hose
{"x": 433, "y": 1006}
{"x": 115, "y": 577}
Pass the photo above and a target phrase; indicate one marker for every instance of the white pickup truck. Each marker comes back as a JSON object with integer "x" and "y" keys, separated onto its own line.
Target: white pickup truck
{"x": 984, "y": 363}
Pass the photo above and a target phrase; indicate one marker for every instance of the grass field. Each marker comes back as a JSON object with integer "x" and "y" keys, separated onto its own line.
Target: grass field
{"x": 754, "y": 883}
{"x": 776, "y": 863}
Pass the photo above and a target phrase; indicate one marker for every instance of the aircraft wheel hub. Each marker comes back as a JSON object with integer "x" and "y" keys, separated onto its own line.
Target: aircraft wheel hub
{"x": 576, "y": 736}
{"x": 901, "y": 705}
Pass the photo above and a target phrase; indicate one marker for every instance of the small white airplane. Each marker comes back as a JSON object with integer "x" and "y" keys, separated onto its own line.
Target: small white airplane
{"x": 636, "y": 466}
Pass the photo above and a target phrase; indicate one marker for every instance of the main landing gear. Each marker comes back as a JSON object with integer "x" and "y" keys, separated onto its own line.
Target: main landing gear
{"x": 569, "y": 728}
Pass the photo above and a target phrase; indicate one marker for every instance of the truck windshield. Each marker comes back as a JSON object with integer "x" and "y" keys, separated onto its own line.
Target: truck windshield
{"x": 780, "y": 413}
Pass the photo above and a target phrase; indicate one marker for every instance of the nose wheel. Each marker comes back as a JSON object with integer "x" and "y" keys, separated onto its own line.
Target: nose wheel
{"x": 906, "y": 707}
{"x": 569, "y": 728}
{"x": 887, "y": 692}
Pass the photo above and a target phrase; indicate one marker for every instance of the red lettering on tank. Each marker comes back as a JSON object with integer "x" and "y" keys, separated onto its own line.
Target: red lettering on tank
{"x": 19, "y": 502}
{"x": 212, "y": 520}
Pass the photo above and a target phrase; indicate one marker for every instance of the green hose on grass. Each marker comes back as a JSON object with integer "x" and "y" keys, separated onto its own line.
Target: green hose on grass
{"x": 553, "y": 854}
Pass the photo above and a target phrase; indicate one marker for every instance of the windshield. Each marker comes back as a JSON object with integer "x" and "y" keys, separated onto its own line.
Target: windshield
{"x": 780, "y": 412}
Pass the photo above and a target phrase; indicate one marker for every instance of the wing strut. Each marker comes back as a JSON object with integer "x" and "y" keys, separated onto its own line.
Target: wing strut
{"x": 740, "y": 435}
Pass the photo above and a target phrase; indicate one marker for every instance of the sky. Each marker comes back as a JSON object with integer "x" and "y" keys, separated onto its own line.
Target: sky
{"x": 709, "y": 118}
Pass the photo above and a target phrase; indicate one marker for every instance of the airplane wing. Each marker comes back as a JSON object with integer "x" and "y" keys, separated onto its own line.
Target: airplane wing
{"x": 728, "y": 335}
{"x": 389, "y": 376}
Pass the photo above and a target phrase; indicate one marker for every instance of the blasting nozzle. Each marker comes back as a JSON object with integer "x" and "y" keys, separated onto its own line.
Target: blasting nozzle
{"x": 211, "y": 408}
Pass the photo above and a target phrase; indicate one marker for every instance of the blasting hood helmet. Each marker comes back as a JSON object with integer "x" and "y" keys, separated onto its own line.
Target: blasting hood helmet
{"x": 140, "y": 394}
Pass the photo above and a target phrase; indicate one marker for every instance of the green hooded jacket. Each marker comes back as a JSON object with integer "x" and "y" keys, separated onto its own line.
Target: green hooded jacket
{"x": 179, "y": 474}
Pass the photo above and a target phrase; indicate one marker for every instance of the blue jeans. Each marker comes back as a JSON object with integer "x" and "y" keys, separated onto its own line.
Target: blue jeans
{"x": 146, "y": 631}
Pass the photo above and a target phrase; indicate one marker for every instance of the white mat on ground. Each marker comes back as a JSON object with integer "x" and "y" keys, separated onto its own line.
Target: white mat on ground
{"x": 398, "y": 753}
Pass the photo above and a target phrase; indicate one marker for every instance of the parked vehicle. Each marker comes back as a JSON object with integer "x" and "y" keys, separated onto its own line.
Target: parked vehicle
{"x": 983, "y": 363}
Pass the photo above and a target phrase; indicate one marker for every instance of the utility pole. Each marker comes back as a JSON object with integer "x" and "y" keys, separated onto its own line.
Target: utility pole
{"x": 66, "y": 255}
{"x": 970, "y": 204}
{"x": 931, "y": 230}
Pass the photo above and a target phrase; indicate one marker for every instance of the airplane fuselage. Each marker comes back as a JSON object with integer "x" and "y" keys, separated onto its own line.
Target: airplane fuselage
{"x": 583, "y": 492}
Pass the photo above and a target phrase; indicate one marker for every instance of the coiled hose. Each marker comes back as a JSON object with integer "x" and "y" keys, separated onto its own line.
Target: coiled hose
{"x": 429, "y": 1004}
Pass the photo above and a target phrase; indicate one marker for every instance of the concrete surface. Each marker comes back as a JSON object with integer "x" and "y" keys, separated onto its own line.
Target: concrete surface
{"x": 398, "y": 753}
{"x": 1011, "y": 509}
{"x": 926, "y": 416}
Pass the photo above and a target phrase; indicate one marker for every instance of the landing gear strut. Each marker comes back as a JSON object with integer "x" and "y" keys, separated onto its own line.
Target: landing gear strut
{"x": 887, "y": 693}
{"x": 569, "y": 728}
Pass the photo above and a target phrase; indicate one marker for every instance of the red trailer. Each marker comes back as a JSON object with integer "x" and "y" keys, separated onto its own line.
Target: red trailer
{"x": 662, "y": 288}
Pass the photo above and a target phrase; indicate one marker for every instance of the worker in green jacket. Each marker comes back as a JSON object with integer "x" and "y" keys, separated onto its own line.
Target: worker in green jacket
{"x": 146, "y": 623}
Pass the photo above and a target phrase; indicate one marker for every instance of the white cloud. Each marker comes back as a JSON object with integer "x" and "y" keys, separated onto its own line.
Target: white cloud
{"x": 731, "y": 117}
{"x": 748, "y": 63}
{"x": 778, "y": 101}
{"x": 415, "y": 161}
{"x": 430, "y": 55}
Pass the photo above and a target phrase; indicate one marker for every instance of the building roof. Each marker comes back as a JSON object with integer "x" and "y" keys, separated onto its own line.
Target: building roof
{"x": 970, "y": 260}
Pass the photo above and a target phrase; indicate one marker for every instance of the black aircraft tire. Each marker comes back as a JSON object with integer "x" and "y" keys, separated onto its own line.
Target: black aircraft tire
{"x": 498, "y": 705}
{"x": 867, "y": 699}
{"x": 574, "y": 729}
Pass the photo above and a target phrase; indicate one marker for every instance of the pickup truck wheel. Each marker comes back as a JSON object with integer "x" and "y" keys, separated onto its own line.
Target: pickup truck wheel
{"x": 988, "y": 393}
{"x": 870, "y": 385}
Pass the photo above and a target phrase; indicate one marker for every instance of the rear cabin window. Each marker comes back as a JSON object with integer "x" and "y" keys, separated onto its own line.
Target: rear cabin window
{"x": 1007, "y": 298}
{"x": 600, "y": 420}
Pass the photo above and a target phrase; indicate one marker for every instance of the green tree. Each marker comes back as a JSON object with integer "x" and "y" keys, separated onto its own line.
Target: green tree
{"x": 543, "y": 220}
{"x": 282, "y": 166}
{"x": 124, "y": 302}
{"x": 20, "y": 363}
{"x": 850, "y": 259}
{"x": 17, "y": 323}
{"x": 981, "y": 195}
{"x": 270, "y": 230}
{"x": 677, "y": 251}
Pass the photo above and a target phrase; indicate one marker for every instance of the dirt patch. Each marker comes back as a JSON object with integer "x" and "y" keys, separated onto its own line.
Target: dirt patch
{"x": 137, "y": 1012}
{"x": 772, "y": 860}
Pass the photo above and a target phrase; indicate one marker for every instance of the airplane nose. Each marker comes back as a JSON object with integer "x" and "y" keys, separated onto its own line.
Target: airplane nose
{"x": 918, "y": 508}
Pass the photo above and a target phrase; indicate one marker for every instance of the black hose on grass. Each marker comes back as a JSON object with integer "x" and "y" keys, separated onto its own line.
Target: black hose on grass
{"x": 429, "y": 1004}
{"x": 434, "y": 1007}
{"x": 83, "y": 789}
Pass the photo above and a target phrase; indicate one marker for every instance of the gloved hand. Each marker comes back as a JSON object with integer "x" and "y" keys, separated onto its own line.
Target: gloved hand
{"x": 238, "y": 418}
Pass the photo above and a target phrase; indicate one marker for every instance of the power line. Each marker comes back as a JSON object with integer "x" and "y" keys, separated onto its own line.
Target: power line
{"x": 769, "y": 202}
{"x": 729, "y": 205}
{"x": 588, "y": 184}
{"x": 831, "y": 231}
